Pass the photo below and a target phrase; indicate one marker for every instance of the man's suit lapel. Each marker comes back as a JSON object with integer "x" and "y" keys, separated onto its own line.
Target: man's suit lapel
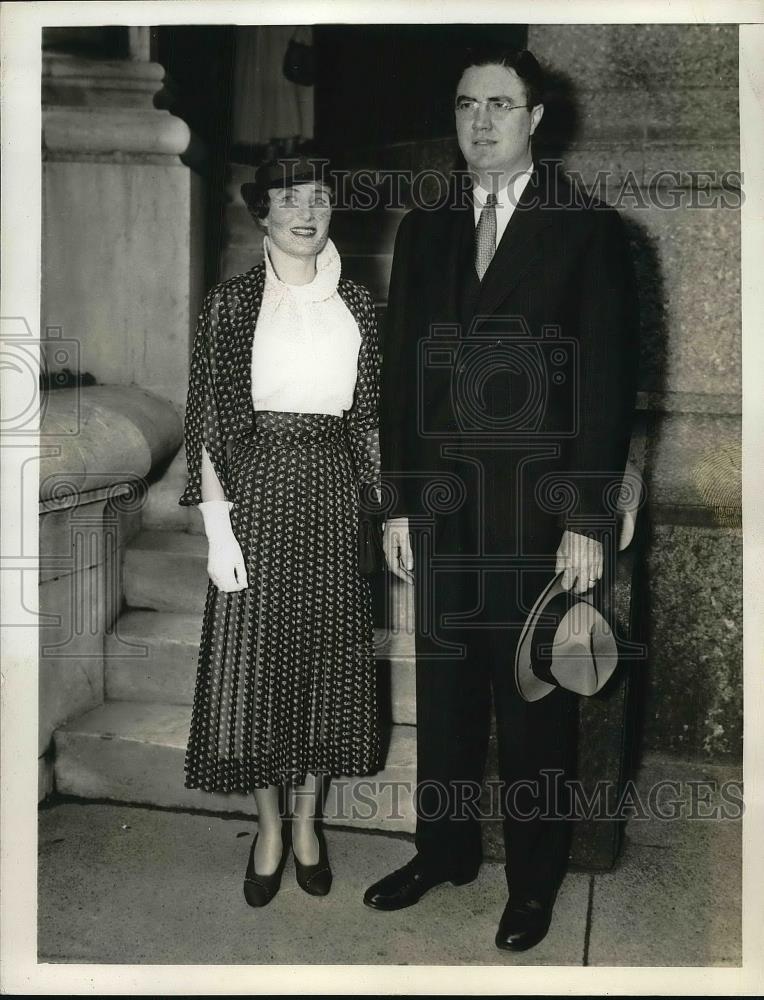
{"x": 518, "y": 247}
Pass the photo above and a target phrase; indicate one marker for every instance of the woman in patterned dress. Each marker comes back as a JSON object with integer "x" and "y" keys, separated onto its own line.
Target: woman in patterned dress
{"x": 280, "y": 433}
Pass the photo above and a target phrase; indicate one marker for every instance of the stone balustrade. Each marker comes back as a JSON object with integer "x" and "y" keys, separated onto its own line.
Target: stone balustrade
{"x": 100, "y": 447}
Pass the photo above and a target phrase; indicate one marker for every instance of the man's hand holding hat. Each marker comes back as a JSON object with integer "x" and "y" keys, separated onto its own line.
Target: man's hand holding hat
{"x": 579, "y": 559}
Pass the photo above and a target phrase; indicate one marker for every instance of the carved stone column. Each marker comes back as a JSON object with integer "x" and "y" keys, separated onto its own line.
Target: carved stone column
{"x": 122, "y": 230}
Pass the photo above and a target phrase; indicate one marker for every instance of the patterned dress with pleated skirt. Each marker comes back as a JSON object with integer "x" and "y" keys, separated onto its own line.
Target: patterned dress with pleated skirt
{"x": 286, "y": 682}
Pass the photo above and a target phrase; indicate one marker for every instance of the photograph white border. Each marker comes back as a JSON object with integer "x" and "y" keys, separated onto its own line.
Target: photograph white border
{"x": 20, "y": 207}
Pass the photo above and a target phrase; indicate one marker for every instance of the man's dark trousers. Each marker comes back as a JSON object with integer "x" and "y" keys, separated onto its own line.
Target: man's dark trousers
{"x": 536, "y": 741}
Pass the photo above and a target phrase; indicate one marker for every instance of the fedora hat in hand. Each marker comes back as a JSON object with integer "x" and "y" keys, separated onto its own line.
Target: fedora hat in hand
{"x": 566, "y": 642}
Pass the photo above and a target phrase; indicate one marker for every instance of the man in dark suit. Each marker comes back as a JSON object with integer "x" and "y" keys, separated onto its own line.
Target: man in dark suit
{"x": 508, "y": 391}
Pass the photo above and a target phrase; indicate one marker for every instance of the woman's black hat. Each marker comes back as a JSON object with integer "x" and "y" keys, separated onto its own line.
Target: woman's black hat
{"x": 285, "y": 172}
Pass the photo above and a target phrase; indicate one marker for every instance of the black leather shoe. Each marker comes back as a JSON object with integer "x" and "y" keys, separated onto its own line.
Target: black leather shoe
{"x": 524, "y": 923}
{"x": 259, "y": 890}
{"x": 407, "y": 885}
{"x": 315, "y": 879}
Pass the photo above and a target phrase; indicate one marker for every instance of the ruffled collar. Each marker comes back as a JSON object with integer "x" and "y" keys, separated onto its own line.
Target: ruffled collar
{"x": 323, "y": 285}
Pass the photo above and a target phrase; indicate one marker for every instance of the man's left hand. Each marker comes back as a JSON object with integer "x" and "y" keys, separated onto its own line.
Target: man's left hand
{"x": 579, "y": 559}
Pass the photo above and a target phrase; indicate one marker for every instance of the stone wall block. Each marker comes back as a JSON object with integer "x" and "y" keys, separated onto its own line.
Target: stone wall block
{"x": 618, "y": 115}
{"x": 642, "y": 57}
{"x": 695, "y": 674}
{"x": 688, "y": 272}
{"x": 125, "y": 291}
{"x": 604, "y": 166}
{"x": 678, "y": 445}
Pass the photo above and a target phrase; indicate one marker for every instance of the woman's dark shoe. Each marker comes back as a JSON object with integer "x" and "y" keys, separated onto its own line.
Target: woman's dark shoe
{"x": 259, "y": 890}
{"x": 315, "y": 879}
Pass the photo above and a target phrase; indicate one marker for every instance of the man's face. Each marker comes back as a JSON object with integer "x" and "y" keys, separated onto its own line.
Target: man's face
{"x": 491, "y": 137}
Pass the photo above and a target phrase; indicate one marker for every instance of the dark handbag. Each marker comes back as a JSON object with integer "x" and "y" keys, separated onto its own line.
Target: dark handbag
{"x": 299, "y": 63}
{"x": 371, "y": 557}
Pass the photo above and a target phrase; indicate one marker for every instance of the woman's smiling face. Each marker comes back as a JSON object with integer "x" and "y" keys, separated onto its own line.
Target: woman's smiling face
{"x": 298, "y": 218}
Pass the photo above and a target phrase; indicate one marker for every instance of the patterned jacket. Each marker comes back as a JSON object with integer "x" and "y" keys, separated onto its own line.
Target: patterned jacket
{"x": 219, "y": 403}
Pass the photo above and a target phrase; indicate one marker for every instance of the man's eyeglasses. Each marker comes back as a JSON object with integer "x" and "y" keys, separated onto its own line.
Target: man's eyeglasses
{"x": 498, "y": 107}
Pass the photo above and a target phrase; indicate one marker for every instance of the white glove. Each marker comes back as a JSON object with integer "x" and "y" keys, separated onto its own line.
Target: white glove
{"x": 225, "y": 562}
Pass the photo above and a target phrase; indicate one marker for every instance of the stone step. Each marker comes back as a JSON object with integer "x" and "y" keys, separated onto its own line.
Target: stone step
{"x": 161, "y": 511}
{"x": 151, "y": 656}
{"x": 134, "y": 752}
{"x": 166, "y": 571}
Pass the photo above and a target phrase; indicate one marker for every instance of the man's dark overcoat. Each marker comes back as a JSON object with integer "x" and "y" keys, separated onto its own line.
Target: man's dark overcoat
{"x": 506, "y": 417}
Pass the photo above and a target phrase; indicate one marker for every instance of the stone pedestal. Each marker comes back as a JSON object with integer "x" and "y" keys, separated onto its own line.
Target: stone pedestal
{"x": 99, "y": 445}
{"x": 122, "y": 225}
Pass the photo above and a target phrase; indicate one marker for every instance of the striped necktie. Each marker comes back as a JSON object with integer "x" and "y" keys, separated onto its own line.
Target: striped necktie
{"x": 485, "y": 236}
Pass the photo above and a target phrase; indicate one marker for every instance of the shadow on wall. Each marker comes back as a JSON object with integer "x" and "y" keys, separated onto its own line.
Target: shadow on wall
{"x": 560, "y": 125}
{"x": 557, "y": 133}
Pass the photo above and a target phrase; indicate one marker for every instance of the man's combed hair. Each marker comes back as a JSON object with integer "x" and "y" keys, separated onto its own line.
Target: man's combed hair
{"x": 523, "y": 62}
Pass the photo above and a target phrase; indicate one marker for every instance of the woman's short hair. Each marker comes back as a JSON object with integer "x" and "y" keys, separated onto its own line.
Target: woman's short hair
{"x": 282, "y": 173}
{"x": 523, "y": 62}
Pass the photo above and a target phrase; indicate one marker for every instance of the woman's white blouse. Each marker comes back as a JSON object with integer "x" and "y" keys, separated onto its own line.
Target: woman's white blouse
{"x": 305, "y": 347}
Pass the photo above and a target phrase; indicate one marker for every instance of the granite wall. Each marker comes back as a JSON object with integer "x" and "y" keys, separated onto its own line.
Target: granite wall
{"x": 656, "y": 106}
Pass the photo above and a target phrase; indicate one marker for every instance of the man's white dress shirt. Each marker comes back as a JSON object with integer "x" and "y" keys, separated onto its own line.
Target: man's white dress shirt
{"x": 507, "y": 198}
